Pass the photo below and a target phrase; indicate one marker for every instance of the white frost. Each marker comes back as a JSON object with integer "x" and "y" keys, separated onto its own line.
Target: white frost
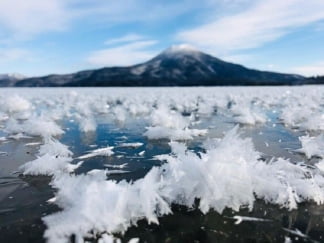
{"x": 312, "y": 146}
{"x": 98, "y": 152}
{"x": 240, "y": 219}
{"x": 171, "y": 125}
{"x": 228, "y": 175}
{"x": 131, "y": 145}
{"x": 53, "y": 158}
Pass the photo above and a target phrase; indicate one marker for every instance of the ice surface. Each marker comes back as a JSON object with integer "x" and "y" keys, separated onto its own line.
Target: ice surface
{"x": 228, "y": 175}
{"x": 228, "y": 172}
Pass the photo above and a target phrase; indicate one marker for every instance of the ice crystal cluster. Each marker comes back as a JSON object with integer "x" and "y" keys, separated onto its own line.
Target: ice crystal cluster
{"x": 228, "y": 172}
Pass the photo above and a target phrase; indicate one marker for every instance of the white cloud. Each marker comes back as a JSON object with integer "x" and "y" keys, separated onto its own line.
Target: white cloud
{"x": 13, "y": 54}
{"x": 123, "y": 55}
{"x": 264, "y": 21}
{"x": 310, "y": 70}
{"x": 136, "y": 10}
{"x": 26, "y": 18}
{"x": 124, "y": 39}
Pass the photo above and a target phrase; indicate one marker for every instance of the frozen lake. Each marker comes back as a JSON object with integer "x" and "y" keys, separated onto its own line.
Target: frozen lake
{"x": 216, "y": 164}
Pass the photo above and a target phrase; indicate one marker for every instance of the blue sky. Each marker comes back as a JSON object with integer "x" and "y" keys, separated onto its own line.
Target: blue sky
{"x": 39, "y": 37}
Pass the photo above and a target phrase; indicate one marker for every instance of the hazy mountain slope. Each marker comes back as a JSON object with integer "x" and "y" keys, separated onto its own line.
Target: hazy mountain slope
{"x": 316, "y": 80}
{"x": 10, "y": 79}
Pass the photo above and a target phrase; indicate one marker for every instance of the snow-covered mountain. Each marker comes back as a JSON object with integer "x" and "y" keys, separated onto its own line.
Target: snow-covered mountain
{"x": 180, "y": 65}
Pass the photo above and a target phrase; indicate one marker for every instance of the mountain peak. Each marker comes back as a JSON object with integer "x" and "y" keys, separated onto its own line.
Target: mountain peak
{"x": 180, "y": 52}
{"x": 180, "y": 49}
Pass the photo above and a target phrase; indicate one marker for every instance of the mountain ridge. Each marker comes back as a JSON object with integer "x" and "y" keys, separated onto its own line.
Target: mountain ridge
{"x": 9, "y": 79}
{"x": 180, "y": 65}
